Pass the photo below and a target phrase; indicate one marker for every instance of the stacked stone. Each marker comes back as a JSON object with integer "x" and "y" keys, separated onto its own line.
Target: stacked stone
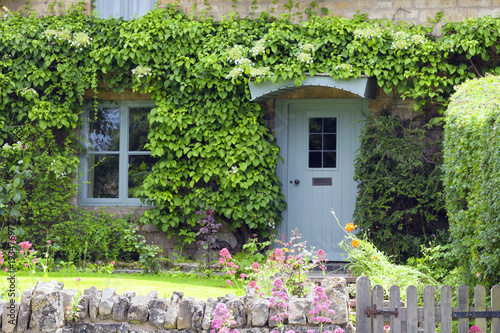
{"x": 43, "y": 308}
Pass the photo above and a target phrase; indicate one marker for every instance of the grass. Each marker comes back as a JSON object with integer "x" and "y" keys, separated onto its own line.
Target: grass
{"x": 200, "y": 288}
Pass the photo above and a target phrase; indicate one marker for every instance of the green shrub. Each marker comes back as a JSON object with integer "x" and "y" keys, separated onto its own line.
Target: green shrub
{"x": 91, "y": 236}
{"x": 400, "y": 201}
{"x": 472, "y": 178}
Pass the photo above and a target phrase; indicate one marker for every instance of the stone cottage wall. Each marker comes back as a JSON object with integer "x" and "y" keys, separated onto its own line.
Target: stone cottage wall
{"x": 417, "y": 11}
{"x": 42, "y": 310}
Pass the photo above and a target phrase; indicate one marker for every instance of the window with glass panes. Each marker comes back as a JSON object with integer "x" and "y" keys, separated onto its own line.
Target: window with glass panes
{"x": 322, "y": 143}
{"x": 126, "y": 9}
{"x": 116, "y": 162}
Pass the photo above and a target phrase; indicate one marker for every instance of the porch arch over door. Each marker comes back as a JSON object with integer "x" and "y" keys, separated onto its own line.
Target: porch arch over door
{"x": 318, "y": 139}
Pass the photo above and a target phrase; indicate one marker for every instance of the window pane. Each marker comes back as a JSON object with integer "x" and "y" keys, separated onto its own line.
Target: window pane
{"x": 330, "y": 142}
{"x": 329, "y": 159}
{"x": 139, "y": 167}
{"x": 107, "y": 8}
{"x": 103, "y": 176}
{"x": 138, "y": 128}
{"x": 104, "y": 129}
{"x": 330, "y": 125}
{"x": 315, "y": 159}
{"x": 140, "y": 7}
{"x": 315, "y": 125}
{"x": 315, "y": 141}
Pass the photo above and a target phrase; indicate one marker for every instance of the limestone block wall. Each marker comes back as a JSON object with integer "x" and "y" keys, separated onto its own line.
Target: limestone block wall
{"x": 417, "y": 11}
{"x": 42, "y": 310}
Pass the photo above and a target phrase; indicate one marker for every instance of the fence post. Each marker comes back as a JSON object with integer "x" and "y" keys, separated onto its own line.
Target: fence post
{"x": 463, "y": 306}
{"x": 378, "y": 300}
{"x": 429, "y": 310}
{"x": 480, "y": 305}
{"x": 411, "y": 310}
{"x": 395, "y": 303}
{"x": 363, "y": 301}
{"x": 495, "y": 306}
{"x": 446, "y": 309}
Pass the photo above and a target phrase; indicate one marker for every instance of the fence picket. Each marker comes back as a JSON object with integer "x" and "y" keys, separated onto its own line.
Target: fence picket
{"x": 446, "y": 309}
{"x": 411, "y": 309}
{"x": 395, "y": 303}
{"x": 429, "y": 310}
{"x": 463, "y": 306}
{"x": 480, "y": 305}
{"x": 363, "y": 301}
{"x": 378, "y": 300}
{"x": 495, "y": 306}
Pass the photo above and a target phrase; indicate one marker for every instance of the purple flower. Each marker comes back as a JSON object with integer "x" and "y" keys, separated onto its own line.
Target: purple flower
{"x": 280, "y": 302}
{"x": 321, "y": 305}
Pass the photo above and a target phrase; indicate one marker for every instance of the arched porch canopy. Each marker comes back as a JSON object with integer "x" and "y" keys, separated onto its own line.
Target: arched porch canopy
{"x": 362, "y": 86}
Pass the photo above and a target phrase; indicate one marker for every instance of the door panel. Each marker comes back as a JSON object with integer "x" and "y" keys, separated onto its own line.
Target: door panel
{"x": 319, "y": 152}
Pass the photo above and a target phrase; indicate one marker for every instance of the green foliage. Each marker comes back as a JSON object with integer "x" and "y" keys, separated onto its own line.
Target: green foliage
{"x": 85, "y": 235}
{"x": 472, "y": 178}
{"x": 212, "y": 144}
{"x": 149, "y": 254}
{"x": 400, "y": 202}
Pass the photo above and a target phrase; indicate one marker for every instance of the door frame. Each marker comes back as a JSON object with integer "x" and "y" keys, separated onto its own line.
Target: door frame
{"x": 281, "y": 128}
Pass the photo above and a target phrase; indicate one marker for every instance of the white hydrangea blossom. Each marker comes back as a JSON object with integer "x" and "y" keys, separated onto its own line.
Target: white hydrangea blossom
{"x": 260, "y": 72}
{"x": 418, "y": 39}
{"x": 305, "y": 57}
{"x": 141, "y": 71}
{"x": 235, "y": 72}
{"x": 28, "y": 93}
{"x": 61, "y": 35}
{"x": 344, "y": 67}
{"x": 81, "y": 39}
{"x": 258, "y": 48}
{"x": 368, "y": 33}
{"x": 308, "y": 48}
{"x": 243, "y": 62}
{"x": 235, "y": 53}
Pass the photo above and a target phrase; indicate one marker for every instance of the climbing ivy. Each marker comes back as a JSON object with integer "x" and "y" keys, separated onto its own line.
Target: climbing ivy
{"x": 212, "y": 145}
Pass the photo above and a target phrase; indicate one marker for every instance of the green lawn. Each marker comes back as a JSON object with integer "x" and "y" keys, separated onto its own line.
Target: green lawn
{"x": 141, "y": 284}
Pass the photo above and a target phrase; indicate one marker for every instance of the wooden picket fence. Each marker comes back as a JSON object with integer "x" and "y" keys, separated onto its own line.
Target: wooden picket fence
{"x": 371, "y": 315}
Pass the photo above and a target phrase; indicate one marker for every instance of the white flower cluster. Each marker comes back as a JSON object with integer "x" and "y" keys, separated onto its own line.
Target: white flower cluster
{"x": 77, "y": 40}
{"x": 258, "y": 48}
{"x": 344, "y": 67}
{"x": 368, "y": 33}
{"x": 305, "y": 57}
{"x": 244, "y": 62}
{"x": 7, "y": 12}
{"x": 402, "y": 40}
{"x": 234, "y": 169}
{"x": 236, "y": 52}
{"x": 60, "y": 35}
{"x": 235, "y": 72}
{"x": 142, "y": 71}
{"x": 260, "y": 72}
{"x": 305, "y": 53}
{"x": 28, "y": 93}
{"x": 80, "y": 39}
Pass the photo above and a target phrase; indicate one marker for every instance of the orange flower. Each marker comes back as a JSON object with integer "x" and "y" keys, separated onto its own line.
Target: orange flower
{"x": 355, "y": 243}
{"x": 350, "y": 227}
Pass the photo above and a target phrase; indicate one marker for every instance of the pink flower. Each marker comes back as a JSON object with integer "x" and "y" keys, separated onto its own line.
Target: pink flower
{"x": 225, "y": 253}
{"x": 338, "y": 330}
{"x": 475, "y": 329}
{"x": 78, "y": 279}
{"x": 1, "y": 261}
{"x": 25, "y": 245}
{"x": 25, "y": 264}
{"x": 22, "y": 251}
{"x": 243, "y": 275}
{"x": 6, "y": 269}
{"x": 222, "y": 260}
{"x": 233, "y": 272}
{"x": 255, "y": 265}
{"x": 229, "y": 282}
{"x": 310, "y": 331}
{"x": 112, "y": 263}
{"x": 48, "y": 242}
{"x": 252, "y": 284}
{"x": 35, "y": 260}
{"x": 31, "y": 251}
{"x": 321, "y": 254}
{"x": 387, "y": 328}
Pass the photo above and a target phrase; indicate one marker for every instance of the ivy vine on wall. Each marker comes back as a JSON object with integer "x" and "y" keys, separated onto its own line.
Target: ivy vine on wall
{"x": 211, "y": 141}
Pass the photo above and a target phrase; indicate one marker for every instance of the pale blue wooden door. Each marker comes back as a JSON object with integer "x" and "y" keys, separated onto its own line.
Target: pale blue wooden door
{"x": 321, "y": 140}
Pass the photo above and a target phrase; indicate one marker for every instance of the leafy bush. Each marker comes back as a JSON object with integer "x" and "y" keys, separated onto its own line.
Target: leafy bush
{"x": 400, "y": 201}
{"x": 472, "y": 178}
{"x": 91, "y": 236}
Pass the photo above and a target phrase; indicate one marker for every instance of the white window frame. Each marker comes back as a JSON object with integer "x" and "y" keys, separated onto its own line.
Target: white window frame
{"x": 125, "y": 9}
{"x": 123, "y": 153}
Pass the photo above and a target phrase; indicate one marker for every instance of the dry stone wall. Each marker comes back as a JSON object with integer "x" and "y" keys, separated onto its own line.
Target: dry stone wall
{"x": 42, "y": 310}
